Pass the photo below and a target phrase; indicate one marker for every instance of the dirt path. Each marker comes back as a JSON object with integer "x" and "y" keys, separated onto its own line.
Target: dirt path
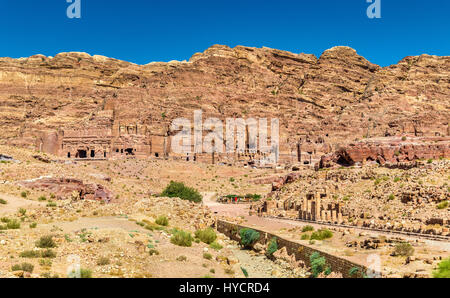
{"x": 99, "y": 223}
{"x": 15, "y": 203}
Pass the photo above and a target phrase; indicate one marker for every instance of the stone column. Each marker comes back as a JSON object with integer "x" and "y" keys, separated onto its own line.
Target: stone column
{"x": 318, "y": 206}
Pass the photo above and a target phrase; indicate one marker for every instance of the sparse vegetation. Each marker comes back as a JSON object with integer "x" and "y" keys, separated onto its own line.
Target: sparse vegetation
{"x": 162, "y": 221}
{"x": 322, "y": 235}
{"x": 244, "y": 271}
{"x": 216, "y": 246}
{"x": 318, "y": 264}
{"x": 181, "y": 238}
{"x": 207, "y": 256}
{"x": 307, "y": 228}
{"x": 272, "y": 247}
{"x": 26, "y": 267}
{"x": 248, "y": 237}
{"x": 443, "y": 205}
{"x": 207, "y": 236}
{"x": 103, "y": 261}
{"x": 46, "y": 242}
{"x": 404, "y": 249}
{"x": 3, "y": 202}
{"x": 443, "y": 270}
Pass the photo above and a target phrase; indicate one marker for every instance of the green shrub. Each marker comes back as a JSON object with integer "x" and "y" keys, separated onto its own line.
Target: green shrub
{"x": 162, "y": 221}
{"x": 207, "y": 256}
{"x": 27, "y": 267}
{"x": 42, "y": 198}
{"x": 85, "y": 273}
{"x": 181, "y": 238}
{"x": 322, "y": 235}
{"x": 430, "y": 161}
{"x": 244, "y": 271}
{"x": 182, "y": 258}
{"x": 354, "y": 271}
{"x": 45, "y": 262}
{"x": 24, "y": 194}
{"x": 103, "y": 261}
{"x": 30, "y": 254}
{"x": 442, "y": 205}
{"x": 248, "y": 237}
{"x": 207, "y": 236}
{"x": 305, "y": 237}
{"x": 48, "y": 254}
{"x": 404, "y": 249}
{"x": 272, "y": 247}
{"x": 33, "y": 225}
{"x": 51, "y": 204}
{"x": 443, "y": 270}
{"x": 3, "y": 202}
{"x": 13, "y": 224}
{"x": 391, "y": 197}
{"x": 153, "y": 252}
{"x": 46, "y": 242}
{"x": 179, "y": 190}
{"x": 216, "y": 246}
{"x": 318, "y": 264}
{"x": 307, "y": 229}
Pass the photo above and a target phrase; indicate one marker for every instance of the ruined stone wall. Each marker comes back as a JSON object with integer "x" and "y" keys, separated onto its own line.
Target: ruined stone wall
{"x": 301, "y": 252}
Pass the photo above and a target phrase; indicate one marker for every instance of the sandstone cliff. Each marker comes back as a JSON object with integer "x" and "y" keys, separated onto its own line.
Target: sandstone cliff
{"x": 337, "y": 98}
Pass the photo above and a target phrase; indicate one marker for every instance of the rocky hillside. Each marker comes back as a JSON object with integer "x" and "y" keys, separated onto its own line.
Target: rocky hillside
{"x": 339, "y": 97}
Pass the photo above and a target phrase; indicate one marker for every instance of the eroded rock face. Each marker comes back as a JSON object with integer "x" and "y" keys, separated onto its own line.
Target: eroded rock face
{"x": 67, "y": 188}
{"x": 332, "y": 100}
{"x": 389, "y": 151}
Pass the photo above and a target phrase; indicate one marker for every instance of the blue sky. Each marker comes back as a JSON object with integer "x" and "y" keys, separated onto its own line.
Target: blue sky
{"x": 142, "y": 31}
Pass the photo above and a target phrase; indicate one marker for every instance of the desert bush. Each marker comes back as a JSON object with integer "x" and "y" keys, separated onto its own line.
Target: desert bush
{"x": 442, "y": 205}
{"x": 207, "y": 236}
{"x": 248, "y": 237}
{"x": 42, "y": 198}
{"x": 179, "y": 190}
{"x": 13, "y": 224}
{"x": 404, "y": 249}
{"x": 318, "y": 264}
{"x": 45, "y": 262}
{"x": 307, "y": 229}
{"x": 216, "y": 246}
{"x": 24, "y": 194}
{"x": 27, "y": 267}
{"x": 162, "y": 221}
{"x": 46, "y": 242}
{"x": 30, "y": 254}
{"x": 153, "y": 252}
{"x": 33, "y": 225}
{"x": 245, "y": 272}
{"x": 305, "y": 237}
{"x": 51, "y": 204}
{"x": 85, "y": 273}
{"x": 181, "y": 238}
{"x": 272, "y": 247}
{"x": 182, "y": 258}
{"x": 207, "y": 256}
{"x": 3, "y": 202}
{"x": 322, "y": 235}
{"x": 443, "y": 270}
{"x": 48, "y": 254}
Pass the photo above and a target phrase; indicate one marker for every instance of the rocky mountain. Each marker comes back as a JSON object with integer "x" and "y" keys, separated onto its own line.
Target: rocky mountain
{"x": 336, "y": 98}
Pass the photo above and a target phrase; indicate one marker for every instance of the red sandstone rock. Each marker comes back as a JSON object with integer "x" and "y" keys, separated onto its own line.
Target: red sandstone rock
{"x": 66, "y": 188}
